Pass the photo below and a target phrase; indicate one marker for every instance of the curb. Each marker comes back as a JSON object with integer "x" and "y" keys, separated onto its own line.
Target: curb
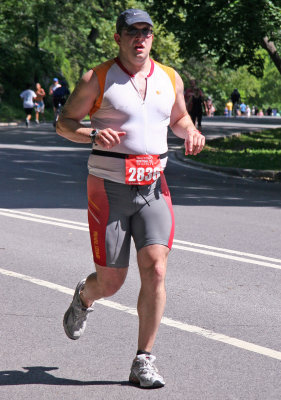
{"x": 268, "y": 175}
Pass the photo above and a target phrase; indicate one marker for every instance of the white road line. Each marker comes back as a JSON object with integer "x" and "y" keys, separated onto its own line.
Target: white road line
{"x": 220, "y": 255}
{"x": 42, "y": 148}
{"x": 229, "y": 251}
{"x": 43, "y": 221}
{"x": 241, "y": 344}
{"x": 4, "y": 210}
{"x": 216, "y": 253}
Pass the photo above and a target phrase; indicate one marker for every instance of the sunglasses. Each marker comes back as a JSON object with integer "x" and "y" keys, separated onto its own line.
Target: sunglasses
{"x": 146, "y": 32}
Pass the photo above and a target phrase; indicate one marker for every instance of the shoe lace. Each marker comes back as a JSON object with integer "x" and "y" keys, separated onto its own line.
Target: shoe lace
{"x": 147, "y": 366}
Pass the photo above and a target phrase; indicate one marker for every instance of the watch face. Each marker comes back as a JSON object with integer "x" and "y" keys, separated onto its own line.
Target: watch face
{"x": 93, "y": 135}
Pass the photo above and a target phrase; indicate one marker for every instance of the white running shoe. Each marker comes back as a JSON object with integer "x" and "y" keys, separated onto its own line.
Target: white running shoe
{"x": 75, "y": 318}
{"x": 145, "y": 373}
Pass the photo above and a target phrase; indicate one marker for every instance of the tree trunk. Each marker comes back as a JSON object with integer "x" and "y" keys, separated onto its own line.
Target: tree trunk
{"x": 272, "y": 51}
{"x": 36, "y": 53}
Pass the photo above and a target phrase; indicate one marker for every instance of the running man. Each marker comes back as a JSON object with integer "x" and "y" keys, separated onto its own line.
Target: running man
{"x": 131, "y": 101}
{"x": 28, "y": 96}
{"x": 40, "y": 106}
{"x": 55, "y": 85}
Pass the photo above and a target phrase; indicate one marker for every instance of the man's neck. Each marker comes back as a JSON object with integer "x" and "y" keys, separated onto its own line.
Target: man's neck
{"x": 138, "y": 67}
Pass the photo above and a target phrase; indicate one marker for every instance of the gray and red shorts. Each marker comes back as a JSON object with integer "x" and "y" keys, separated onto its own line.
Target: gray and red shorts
{"x": 118, "y": 212}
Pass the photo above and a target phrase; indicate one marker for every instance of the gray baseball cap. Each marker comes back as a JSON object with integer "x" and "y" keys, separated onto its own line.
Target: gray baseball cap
{"x": 132, "y": 16}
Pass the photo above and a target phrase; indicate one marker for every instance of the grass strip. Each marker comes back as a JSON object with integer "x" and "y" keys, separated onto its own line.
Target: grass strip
{"x": 255, "y": 150}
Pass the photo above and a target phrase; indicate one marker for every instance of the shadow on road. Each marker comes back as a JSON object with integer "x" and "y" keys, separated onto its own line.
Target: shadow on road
{"x": 42, "y": 170}
{"x": 40, "y": 375}
{"x": 39, "y": 169}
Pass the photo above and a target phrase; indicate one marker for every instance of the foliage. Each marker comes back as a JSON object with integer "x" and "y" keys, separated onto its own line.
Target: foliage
{"x": 42, "y": 39}
{"x": 46, "y": 38}
{"x": 231, "y": 30}
{"x": 219, "y": 82}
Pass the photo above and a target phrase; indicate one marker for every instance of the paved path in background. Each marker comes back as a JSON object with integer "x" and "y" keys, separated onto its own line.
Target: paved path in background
{"x": 216, "y": 127}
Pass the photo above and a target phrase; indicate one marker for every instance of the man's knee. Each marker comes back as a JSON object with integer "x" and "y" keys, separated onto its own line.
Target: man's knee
{"x": 152, "y": 264}
{"x": 158, "y": 271}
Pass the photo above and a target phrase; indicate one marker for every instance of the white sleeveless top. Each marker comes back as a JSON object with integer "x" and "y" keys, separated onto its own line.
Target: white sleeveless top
{"x": 121, "y": 107}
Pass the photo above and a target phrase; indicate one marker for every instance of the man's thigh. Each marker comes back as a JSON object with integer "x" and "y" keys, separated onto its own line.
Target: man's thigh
{"x": 109, "y": 222}
{"x": 154, "y": 222}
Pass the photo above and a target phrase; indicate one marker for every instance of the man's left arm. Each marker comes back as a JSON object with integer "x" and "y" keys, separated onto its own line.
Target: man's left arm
{"x": 182, "y": 125}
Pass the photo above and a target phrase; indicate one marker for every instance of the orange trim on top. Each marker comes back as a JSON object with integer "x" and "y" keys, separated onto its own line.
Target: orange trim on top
{"x": 101, "y": 71}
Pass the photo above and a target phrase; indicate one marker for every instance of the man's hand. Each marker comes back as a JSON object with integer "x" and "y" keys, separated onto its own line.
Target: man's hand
{"x": 108, "y": 138}
{"x": 194, "y": 142}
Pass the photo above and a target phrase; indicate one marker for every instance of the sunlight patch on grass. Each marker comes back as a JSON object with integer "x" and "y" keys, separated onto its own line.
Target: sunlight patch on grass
{"x": 256, "y": 150}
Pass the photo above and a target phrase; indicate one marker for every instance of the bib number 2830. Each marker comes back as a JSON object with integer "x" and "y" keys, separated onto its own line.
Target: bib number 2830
{"x": 142, "y": 169}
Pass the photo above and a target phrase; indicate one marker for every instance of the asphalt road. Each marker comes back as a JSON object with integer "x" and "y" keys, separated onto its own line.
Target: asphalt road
{"x": 220, "y": 338}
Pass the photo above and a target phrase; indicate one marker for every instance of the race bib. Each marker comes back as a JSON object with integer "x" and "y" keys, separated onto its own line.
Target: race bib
{"x": 142, "y": 169}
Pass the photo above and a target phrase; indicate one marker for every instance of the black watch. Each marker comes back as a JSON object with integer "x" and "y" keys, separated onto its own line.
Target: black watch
{"x": 93, "y": 135}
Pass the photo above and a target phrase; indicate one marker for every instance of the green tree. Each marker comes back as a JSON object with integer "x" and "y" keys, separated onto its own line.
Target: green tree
{"x": 43, "y": 38}
{"x": 231, "y": 30}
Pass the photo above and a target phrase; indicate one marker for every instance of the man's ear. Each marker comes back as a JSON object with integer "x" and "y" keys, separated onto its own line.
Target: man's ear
{"x": 117, "y": 38}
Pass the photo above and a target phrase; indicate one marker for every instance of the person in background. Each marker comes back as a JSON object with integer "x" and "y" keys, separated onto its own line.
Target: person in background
{"x": 132, "y": 100}
{"x": 188, "y": 95}
{"x": 28, "y": 96}
{"x": 194, "y": 99}
{"x": 209, "y": 107}
{"x": 229, "y": 106}
{"x": 39, "y": 102}
{"x": 243, "y": 108}
{"x": 55, "y": 85}
{"x": 59, "y": 97}
{"x": 235, "y": 98}
{"x": 269, "y": 111}
{"x": 61, "y": 94}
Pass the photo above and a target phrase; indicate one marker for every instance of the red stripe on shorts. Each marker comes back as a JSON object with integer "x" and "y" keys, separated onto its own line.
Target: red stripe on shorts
{"x": 98, "y": 212}
{"x": 167, "y": 198}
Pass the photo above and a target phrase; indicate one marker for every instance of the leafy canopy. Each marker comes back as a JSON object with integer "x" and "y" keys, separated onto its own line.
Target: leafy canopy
{"x": 231, "y": 30}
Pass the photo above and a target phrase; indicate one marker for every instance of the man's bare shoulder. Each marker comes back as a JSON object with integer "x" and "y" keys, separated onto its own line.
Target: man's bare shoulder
{"x": 87, "y": 85}
{"x": 89, "y": 76}
{"x": 88, "y": 79}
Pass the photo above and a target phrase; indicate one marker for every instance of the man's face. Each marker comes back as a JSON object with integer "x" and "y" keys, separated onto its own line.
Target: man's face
{"x": 135, "y": 41}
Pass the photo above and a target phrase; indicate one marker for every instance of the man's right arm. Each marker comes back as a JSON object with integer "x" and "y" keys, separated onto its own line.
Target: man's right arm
{"x": 78, "y": 105}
